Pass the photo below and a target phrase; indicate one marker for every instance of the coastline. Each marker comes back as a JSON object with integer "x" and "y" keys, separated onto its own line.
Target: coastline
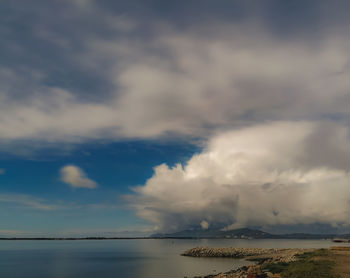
{"x": 277, "y": 262}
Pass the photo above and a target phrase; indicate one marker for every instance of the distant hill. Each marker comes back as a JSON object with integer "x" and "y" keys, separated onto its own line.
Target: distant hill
{"x": 244, "y": 233}
{"x": 215, "y": 233}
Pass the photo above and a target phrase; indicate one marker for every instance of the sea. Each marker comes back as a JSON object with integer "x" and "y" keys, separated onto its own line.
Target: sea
{"x": 130, "y": 258}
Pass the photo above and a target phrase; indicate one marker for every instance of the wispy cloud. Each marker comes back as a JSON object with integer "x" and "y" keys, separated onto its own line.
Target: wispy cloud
{"x": 32, "y": 202}
{"x": 75, "y": 177}
{"x": 28, "y": 201}
{"x": 12, "y": 233}
{"x": 140, "y": 231}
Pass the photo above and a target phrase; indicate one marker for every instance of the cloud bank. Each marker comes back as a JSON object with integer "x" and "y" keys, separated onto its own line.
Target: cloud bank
{"x": 76, "y": 178}
{"x": 190, "y": 82}
{"x": 279, "y": 173}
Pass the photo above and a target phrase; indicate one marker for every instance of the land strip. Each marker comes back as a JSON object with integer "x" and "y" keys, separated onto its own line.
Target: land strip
{"x": 282, "y": 263}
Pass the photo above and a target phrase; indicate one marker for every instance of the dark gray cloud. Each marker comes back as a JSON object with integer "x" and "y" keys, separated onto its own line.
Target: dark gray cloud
{"x": 40, "y": 41}
{"x": 189, "y": 83}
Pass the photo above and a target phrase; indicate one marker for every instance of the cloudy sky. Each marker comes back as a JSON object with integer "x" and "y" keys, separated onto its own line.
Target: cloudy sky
{"x": 134, "y": 117}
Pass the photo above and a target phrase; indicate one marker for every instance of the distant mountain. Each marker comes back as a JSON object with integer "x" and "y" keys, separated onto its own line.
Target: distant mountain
{"x": 244, "y": 233}
{"x": 215, "y": 233}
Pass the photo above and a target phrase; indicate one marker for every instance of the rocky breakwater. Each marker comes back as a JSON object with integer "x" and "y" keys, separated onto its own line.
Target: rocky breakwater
{"x": 228, "y": 252}
{"x": 261, "y": 256}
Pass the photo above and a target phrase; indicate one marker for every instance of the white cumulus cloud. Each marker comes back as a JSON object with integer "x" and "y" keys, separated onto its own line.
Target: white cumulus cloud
{"x": 75, "y": 177}
{"x": 277, "y": 173}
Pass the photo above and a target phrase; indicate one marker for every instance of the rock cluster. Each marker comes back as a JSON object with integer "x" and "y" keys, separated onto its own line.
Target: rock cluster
{"x": 232, "y": 252}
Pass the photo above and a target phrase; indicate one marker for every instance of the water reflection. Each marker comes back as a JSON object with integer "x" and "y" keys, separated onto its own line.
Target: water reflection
{"x": 124, "y": 258}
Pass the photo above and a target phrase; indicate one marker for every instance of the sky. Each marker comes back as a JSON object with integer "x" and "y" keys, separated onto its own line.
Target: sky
{"x": 127, "y": 118}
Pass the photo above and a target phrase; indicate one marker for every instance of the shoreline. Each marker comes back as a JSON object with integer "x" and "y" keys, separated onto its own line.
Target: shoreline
{"x": 274, "y": 262}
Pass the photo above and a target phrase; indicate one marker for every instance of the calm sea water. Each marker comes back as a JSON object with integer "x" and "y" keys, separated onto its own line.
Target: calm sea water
{"x": 144, "y": 258}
